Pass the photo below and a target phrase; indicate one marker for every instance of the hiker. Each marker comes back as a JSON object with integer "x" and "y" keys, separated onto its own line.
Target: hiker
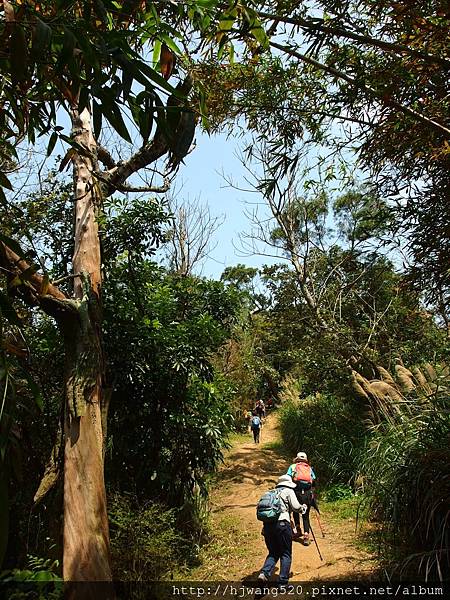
{"x": 255, "y": 426}
{"x": 278, "y": 533}
{"x": 260, "y": 409}
{"x": 304, "y": 478}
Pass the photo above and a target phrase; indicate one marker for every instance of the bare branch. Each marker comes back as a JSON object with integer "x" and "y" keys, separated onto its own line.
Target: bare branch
{"x": 190, "y": 238}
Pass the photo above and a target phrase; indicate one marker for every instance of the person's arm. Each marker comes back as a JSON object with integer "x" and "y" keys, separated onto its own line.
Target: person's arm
{"x": 290, "y": 471}
{"x": 293, "y": 502}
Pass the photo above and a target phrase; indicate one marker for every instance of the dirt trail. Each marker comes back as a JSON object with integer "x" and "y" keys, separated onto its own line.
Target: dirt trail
{"x": 248, "y": 472}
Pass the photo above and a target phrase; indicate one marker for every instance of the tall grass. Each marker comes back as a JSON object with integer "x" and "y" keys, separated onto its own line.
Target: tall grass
{"x": 406, "y": 468}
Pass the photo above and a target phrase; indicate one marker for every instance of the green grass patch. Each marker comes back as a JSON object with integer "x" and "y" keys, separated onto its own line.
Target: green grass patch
{"x": 239, "y": 438}
{"x": 228, "y": 542}
{"x": 354, "y": 511}
{"x": 345, "y": 508}
{"x": 278, "y": 447}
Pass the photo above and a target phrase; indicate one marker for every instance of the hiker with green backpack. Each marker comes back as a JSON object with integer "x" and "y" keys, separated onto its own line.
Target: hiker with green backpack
{"x": 274, "y": 510}
{"x": 304, "y": 478}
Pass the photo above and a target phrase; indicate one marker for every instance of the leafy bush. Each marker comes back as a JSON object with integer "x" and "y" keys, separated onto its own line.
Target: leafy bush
{"x": 170, "y": 409}
{"x": 145, "y": 542}
{"x": 329, "y": 430}
{"x": 39, "y": 580}
{"x": 337, "y": 492}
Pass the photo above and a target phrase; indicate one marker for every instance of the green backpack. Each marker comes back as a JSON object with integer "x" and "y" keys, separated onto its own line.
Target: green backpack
{"x": 269, "y": 507}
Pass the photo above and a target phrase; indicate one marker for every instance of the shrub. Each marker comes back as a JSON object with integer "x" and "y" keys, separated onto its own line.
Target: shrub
{"x": 145, "y": 543}
{"x": 337, "y": 492}
{"x": 329, "y": 430}
{"x": 39, "y": 580}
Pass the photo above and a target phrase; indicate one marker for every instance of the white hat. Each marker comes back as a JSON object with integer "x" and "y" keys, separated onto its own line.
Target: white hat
{"x": 300, "y": 456}
{"x": 286, "y": 481}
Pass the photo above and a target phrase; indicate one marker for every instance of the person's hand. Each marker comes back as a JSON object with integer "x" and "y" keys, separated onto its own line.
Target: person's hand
{"x": 303, "y": 509}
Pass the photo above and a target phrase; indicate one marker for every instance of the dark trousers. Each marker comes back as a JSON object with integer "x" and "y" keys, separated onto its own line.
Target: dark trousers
{"x": 278, "y": 537}
{"x": 256, "y": 435}
{"x": 304, "y": 497}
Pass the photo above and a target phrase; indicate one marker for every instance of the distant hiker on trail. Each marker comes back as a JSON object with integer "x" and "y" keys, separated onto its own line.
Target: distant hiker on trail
{"x": 260, "y": 409}
{"x": 274, "y": 510}
{"x": 304, "y": 478}
{"x": 255, "y": 426}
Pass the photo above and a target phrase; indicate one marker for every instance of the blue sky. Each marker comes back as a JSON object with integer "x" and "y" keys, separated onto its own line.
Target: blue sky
{"x": 202, "y": 176}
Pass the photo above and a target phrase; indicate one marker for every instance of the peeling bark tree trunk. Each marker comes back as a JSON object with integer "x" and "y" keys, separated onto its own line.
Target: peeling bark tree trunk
{"x": 86, "y": 537}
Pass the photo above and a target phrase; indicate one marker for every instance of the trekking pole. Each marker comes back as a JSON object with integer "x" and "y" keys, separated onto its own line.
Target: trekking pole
{"x": 315, "y": 541}
{"x": 320, "y": 524}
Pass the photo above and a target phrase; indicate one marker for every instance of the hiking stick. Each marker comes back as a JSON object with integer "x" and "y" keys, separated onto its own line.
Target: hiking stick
{"x": 320, "y": 524}
{"x": 315, "y": 541}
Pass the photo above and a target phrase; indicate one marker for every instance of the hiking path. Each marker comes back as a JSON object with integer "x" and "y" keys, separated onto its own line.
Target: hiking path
{"x": 238, "y": 550}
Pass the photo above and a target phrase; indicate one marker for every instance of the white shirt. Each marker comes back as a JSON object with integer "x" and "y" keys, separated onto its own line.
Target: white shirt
{"x": 289, "y": 502}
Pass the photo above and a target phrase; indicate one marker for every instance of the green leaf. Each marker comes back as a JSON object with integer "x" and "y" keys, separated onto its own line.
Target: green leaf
{"x": 260, "y": 36}
{"x": 156, "y": 52}
{"x": 159, "y": 80}
{"x": 42, "y": 35}
{"x": 52, "y": 142}
{"x": 4, "y": 182}
{"x": 15, "y": 246}
{"x": 96, "y": 118}
{"x": 206, "y": 3}
{"x": 112, "y": 113}
{"x": 225, "y": 23}
{"x": 19, "y": 54}
{"x": 170, "y": 43}
{"x": 231, "y": 54}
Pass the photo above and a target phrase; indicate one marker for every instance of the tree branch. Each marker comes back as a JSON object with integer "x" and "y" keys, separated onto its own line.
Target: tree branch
{"x": 34, "y": 289}
{"x": 16, "y": 266}
{"x": 155, "y": 189}
{"x": 105, "y": 157}
{"x": 115, "y": 178}
{"x": 340, "y": 75}
{"x": 363, "y": 39}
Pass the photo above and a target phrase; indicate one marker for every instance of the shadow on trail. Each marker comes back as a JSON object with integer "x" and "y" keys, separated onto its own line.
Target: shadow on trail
{"x": 258, "y": 466}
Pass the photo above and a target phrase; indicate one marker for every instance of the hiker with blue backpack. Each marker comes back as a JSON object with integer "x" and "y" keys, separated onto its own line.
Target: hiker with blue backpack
{"x": 304, "y": 478}
{"x": 255, "y": 426}
{"x": 274, "y": 510}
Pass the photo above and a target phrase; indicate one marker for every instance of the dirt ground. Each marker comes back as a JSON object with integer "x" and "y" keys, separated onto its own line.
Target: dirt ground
{"x": 250, "y": 470}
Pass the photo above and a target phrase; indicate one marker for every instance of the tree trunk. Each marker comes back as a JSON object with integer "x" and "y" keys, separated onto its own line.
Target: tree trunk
{"x": 86, "y": 537}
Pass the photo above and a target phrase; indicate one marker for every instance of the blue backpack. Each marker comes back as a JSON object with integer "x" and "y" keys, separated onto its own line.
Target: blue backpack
{"x": 256, "y": 422}
{"x": 270, "y": 507}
